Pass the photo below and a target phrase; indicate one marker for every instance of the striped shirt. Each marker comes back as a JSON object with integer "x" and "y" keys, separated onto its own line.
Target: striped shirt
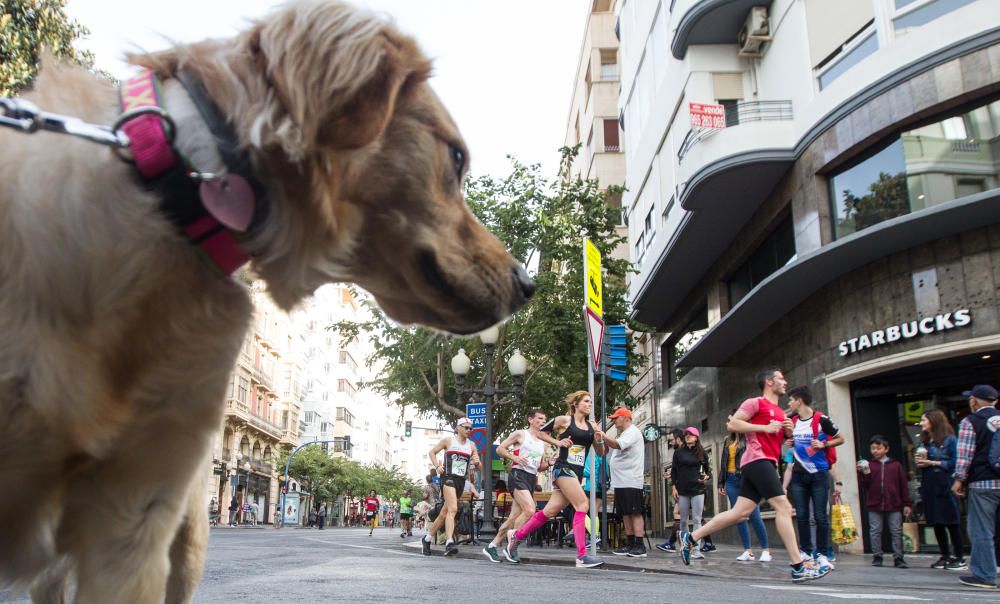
{"x": 966, "y": 451}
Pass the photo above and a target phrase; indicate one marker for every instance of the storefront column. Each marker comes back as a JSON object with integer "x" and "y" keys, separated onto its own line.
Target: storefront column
{"x": 838, "y": 396}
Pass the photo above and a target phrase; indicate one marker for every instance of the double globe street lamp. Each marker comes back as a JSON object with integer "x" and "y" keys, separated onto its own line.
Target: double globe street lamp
{"x": 517, "y": 365}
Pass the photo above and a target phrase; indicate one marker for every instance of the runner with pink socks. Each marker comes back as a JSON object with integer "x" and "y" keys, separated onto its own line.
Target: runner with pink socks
{"x": 578, "y": 434}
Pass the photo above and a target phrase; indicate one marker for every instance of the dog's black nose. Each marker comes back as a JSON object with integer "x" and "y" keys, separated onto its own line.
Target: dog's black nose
{"x": 522, "y": 282}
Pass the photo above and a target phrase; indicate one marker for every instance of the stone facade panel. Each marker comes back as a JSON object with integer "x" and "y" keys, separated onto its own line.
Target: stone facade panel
{"x": 975, "y": 70}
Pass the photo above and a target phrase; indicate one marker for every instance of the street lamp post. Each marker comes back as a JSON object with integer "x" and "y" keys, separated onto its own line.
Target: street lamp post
{"x": 517, "y": 365}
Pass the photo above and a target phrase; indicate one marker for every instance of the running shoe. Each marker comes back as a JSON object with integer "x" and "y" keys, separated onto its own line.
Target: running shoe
{"x": 941, "y": 563}
{"x": 831, "y": 555}
{"x": 697, "y": 555}
{"x": 588, "y": 561}
{"x": 765, "y": 556}
{"x": 957, "y": 564}
{"x": 426, "y": 544}
{"x": 977, "y": 582}
{"x": 490, "y": 551}
{"x": 822, "y": 561}
{"x": 746, "y": 556}
{"x": 708, "y": 547}
{"x": 666, "y": 546}
{"x": 402, "y": 535}
{"x": 450, "y": 549}
{"x": 623, "y": 550}
{"x": 510, "y": 551}
{"x": 808, "y": 572}
{"x": 685, "y": 546}
{"x": 638, "y": 551}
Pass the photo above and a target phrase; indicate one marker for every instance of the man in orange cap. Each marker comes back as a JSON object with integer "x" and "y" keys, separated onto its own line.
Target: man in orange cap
{"x": 626, "y": 461}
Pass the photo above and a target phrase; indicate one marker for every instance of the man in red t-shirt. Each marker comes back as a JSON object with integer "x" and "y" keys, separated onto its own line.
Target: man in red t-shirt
{"x": 766, "y": 428}
{"x": 371, "y": 511}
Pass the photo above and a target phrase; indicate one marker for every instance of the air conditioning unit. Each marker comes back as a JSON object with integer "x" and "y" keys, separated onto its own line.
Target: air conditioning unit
{"x": 756, "y": 32}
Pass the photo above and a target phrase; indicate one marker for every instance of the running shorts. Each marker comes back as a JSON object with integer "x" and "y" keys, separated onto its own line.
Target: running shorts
{"x": 369, "y": 515}
{"x": 521, "y": 480}
{"x": 628, "y": 502}
{"x": 760, "y": 481}
{"x": 565, "y": 471}
{"x": 405, "y": 515}
{"x": 455, "y": 482}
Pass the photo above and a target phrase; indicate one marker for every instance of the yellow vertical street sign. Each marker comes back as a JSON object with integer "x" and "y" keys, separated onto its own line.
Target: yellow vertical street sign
{"x": 595, "y": 296}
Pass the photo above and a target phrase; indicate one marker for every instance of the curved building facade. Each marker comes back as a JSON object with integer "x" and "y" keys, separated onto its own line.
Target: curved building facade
{"x": 840, "y": 220}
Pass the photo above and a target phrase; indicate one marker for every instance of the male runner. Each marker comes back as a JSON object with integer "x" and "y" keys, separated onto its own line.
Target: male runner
{"x": 459, "y": 453}
{"x": 405, "y": 513}
{"x": 528, "y": 459}
{"x": 766, "y": 427}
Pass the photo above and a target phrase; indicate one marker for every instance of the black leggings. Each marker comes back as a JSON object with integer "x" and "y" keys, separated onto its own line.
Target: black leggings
{"x": 942, "y": 538}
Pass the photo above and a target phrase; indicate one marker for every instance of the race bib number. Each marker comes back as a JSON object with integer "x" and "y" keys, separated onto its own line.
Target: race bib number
{"x": 459, "y": 466}
{"x": 576, "y": 455}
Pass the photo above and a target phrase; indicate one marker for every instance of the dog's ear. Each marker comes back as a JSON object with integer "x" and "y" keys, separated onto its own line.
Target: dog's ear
{"x": 336, "y": 74}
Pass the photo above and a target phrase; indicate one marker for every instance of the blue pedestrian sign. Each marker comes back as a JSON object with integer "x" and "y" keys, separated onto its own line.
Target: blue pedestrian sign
{"x": 477, "y": 413}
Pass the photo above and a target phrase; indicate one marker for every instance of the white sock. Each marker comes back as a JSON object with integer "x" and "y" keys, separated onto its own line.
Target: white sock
{"x": 449, "y": 542}
{"x": 427, "y": 538}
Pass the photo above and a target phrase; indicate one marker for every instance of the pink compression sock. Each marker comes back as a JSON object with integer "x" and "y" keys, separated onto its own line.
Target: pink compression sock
{"x": 580, "y": 533}
{"x": 531, "y": 525}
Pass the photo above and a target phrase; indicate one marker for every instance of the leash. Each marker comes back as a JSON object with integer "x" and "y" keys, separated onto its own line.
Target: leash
{"x": 210, "y": 210}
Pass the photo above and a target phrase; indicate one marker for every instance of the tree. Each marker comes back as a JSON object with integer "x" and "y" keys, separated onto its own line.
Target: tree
{"x": 541, "y": 222}
{"x": 888, "y": 197}
{"x": 328, "y": 478}
{"x": 27, "y": 27}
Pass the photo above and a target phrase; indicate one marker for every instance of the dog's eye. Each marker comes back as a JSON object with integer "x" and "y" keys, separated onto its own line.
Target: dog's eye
{"x": 458, "y": 158}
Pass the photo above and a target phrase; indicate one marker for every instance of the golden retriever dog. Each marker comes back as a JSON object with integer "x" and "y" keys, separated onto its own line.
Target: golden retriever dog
{"x": 118, "y": 338}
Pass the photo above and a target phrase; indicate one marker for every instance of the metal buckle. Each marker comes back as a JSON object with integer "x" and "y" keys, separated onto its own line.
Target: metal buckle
{"x": 170, "y": 128}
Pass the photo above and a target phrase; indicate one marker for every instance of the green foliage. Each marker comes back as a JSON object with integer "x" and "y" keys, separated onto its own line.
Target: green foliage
{"x": 887, "y": 198}
{"x": 26, "y": 28}
{"x": 327, "y": 478}
{"x": 541, "y": 222}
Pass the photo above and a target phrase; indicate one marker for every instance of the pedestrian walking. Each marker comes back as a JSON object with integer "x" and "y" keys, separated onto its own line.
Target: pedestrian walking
{"x": 888, "y": 500}
{"x": 730, "y": 469}
{"x": 254, "y": 511}
{"x": 812, "y": 435}
{"x": 321, "y": 517}
{"x": 525, "y": 449}
{"x": 976, "y": 475}
{"x": 626, "y": 463}
{"x": 690, "y": 472}
{"x": 234, "y": 509}
{"x": 766, "y": 428}
{"x": 577, "y": 434}
{"x": 245, "y": 518}
{"x": 936, "y": 456}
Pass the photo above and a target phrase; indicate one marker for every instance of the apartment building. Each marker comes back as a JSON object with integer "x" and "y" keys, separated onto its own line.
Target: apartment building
{"x": 814, "y": 185}
{"x": 263, "y": 404}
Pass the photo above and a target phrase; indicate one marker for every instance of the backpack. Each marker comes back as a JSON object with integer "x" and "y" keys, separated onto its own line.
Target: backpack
{"x": 993, "y": 423}
{"x": 830, "y": 452}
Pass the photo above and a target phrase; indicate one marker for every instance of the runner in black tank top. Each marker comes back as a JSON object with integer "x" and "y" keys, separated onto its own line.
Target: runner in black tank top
{"x": 578, "y": 434}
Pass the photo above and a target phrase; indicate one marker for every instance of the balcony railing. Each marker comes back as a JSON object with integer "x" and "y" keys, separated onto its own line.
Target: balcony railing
{"x": 240, "y": 410}
{"x": 261, "y": 467}
{"x": 741, "y": 113}
{"x": 612, "y": 148}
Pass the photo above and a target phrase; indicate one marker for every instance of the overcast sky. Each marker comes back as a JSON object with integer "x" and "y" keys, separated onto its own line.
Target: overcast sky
{"x": 504, "y": 68}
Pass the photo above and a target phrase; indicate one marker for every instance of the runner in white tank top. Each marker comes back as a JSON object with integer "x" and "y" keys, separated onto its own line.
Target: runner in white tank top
{"x": 528, "y": 458}
{"x": 459, "y": 454}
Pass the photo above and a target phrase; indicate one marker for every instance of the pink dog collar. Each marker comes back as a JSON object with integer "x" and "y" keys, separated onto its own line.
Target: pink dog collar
{"x": 208, "y": 213}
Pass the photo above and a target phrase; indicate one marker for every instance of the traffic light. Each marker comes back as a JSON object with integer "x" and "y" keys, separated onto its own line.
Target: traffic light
{"x": 617, "y": 352}
{"x": 408, "y": 431}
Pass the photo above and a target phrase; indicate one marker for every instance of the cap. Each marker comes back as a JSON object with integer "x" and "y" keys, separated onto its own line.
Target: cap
{"x": 983, "y": 392}
{"x": 621, "y": 412}
{"x": 692, "y": 430}
{"x": 464, "y": 421}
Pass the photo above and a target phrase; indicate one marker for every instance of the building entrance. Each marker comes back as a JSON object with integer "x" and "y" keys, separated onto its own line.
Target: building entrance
{"x": 891, "y": 404}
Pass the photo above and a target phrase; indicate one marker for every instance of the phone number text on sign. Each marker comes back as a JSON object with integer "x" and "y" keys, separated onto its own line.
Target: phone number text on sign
{"x": 707, "y": 116}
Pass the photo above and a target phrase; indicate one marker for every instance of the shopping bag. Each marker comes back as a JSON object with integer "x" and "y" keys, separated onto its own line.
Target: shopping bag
{"x": 911, "y": 536}
{"x": 843, "y": 530}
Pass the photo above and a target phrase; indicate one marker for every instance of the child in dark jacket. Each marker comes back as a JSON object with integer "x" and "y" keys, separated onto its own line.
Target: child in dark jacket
{"x": 888, "y": 499}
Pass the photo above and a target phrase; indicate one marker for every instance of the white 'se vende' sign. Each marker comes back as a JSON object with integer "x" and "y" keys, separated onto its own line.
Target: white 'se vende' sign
{"x": 905, "y": 331}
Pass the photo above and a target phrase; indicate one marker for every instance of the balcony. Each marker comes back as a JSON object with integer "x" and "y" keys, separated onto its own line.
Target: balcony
{"x": 262, "y": 378}
{"x": 261, "y": 467}
{"x": 241, "y": 411}
{"x": 709, "y": 22}
{"x": 227, "y": 454}
{"x": 743, "y": 113}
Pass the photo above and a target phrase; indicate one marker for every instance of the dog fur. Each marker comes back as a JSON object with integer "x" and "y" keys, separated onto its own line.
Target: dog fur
{"x": 118, "y": 340}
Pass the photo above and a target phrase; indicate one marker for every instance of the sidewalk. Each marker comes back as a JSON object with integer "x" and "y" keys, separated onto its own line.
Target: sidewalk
{"x": 851, "y": 570}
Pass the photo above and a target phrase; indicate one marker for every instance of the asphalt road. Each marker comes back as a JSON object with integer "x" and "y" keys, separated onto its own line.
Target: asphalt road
{"x": 334, "y": 565}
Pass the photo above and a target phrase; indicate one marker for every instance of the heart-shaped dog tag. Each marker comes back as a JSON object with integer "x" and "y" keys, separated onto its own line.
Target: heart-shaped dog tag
{"x": 229, "y": 200}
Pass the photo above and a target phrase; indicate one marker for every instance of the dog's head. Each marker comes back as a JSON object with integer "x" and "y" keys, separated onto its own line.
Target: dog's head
{"x": 363, "y": 163}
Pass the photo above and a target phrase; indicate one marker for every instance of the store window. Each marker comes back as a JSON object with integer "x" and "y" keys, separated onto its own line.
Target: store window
{"x": 944, "y": 160}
